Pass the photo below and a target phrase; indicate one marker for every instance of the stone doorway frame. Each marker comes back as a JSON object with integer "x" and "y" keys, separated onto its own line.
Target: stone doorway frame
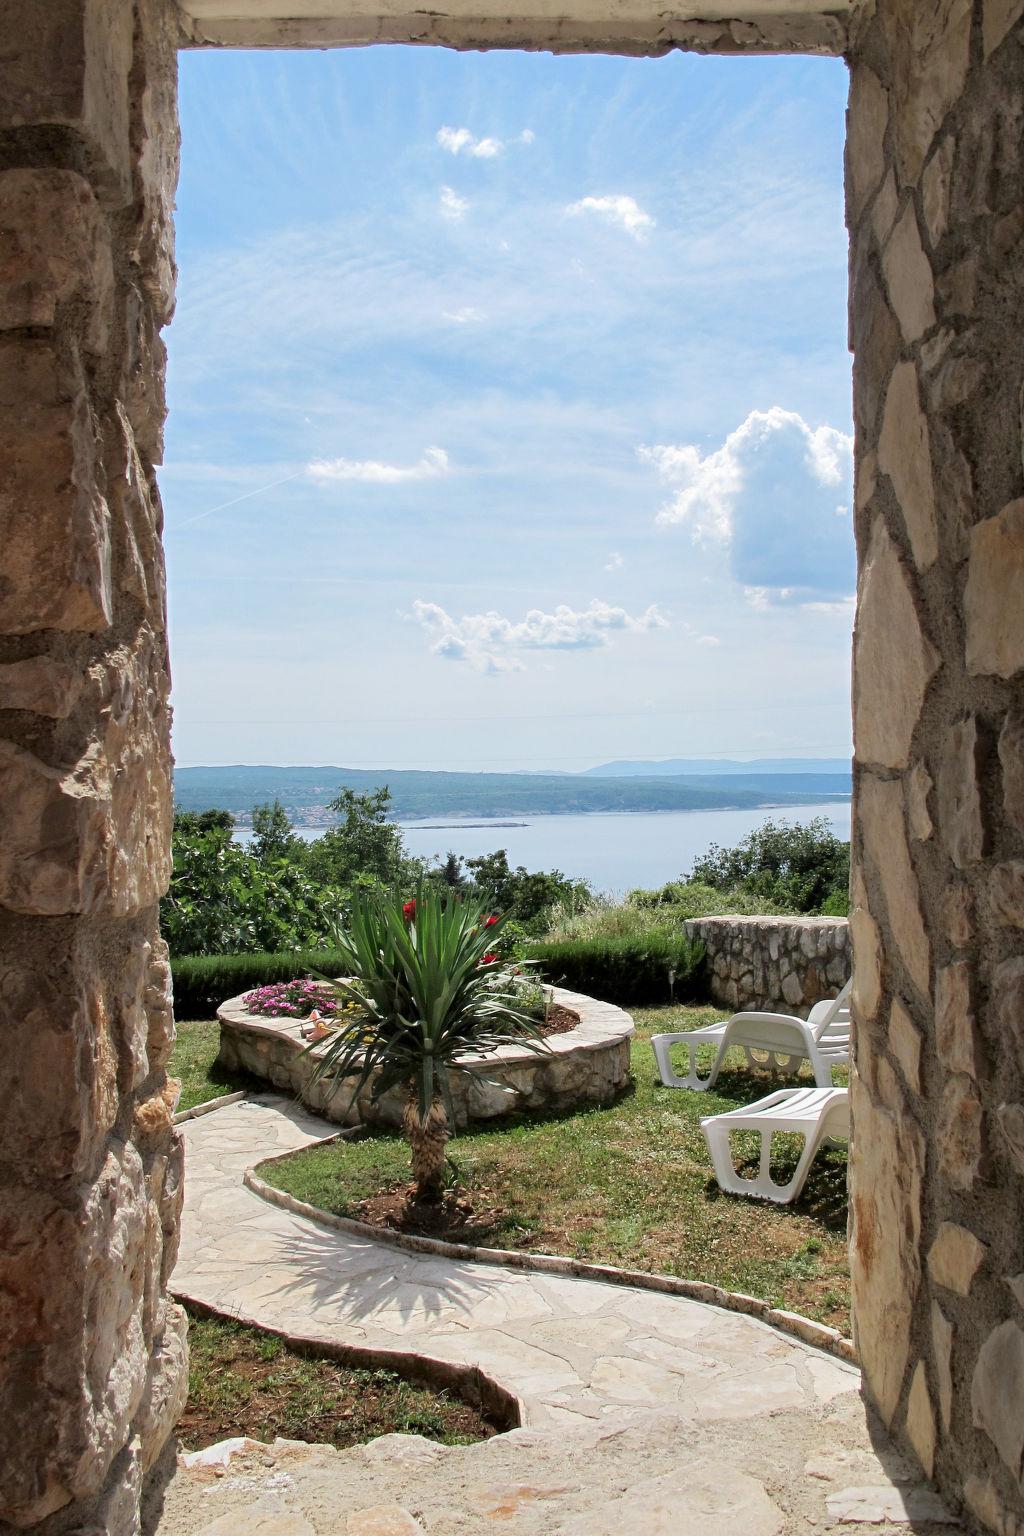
{"x": 90, "y": 1169}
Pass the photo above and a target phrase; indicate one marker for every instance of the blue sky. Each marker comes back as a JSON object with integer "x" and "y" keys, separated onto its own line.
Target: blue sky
{"x": 510, "y": 410}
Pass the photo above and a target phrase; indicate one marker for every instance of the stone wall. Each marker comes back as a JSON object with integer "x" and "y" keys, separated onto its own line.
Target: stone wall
{"x": 93, "y": 1354}
{"x": 783, "y": 964}
{"x": 935, "y": 199}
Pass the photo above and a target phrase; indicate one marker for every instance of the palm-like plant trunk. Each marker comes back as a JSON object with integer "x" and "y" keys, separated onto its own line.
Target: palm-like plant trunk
{"x": 427, "y": 1140}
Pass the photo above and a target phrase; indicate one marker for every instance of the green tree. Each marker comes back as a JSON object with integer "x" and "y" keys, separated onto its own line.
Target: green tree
{"x": 197, "y": 823}
{"x": 273, "y": 836}
{"x": 366, "y": 848}
{"x": 523, "y": 895}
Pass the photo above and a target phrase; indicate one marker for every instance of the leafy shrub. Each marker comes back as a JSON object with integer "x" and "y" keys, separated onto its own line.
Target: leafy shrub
{"x": 800, "y": 867}
{"x": 627, "y": 968}
{"x": 682, "y": 899}
{"x": 223, "y": 900}
{"x": 203, "y": 982}
{"x": 836, "y": 905}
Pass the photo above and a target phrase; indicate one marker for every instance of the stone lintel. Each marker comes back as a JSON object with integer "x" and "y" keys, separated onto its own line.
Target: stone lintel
{"x": 761, "y": 28}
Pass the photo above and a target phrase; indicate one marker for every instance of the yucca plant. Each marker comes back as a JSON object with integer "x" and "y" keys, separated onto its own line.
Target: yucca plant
{"x": 432, "y": 989}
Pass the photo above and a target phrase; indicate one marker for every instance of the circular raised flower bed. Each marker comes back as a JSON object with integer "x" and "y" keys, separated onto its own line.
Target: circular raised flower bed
{"x": 585, "y": 1065}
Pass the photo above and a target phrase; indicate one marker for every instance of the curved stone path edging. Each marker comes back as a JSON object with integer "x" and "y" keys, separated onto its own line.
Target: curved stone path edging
{"x": 208, "y": 1106}
{"x": 805, "y": 1328}
{"x": 643, "y": 1413}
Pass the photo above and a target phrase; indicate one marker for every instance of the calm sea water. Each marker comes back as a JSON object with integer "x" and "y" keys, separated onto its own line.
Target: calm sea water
{"x": 614, "y": 852}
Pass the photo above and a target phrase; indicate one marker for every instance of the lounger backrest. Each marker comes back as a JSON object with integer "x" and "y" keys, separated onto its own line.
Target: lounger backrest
{"x": 834, "y": 1023}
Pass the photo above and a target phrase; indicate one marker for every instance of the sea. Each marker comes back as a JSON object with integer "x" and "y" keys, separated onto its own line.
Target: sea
{"x": 615, "y": 851}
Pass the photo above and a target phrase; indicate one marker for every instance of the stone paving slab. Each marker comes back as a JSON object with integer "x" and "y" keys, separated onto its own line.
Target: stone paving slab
{"x": 641, "y": 1412}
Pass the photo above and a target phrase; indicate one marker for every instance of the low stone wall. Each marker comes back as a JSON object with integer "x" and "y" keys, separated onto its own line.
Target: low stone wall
{"x": 586, "y": 1065}
{"x": 785, "y": 964}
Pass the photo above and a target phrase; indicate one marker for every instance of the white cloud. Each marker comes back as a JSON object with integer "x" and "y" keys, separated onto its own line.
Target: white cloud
{"x": 452, "y": 205}
{"x": 457, "y": 140}
{"x": 615, "y": 561}
{"x": 467, "y": 315}
{"x": 768, "y": 495}
{"x": 710, "y": 640}
{"x": 622, "y": 210}
{"x": 433, "y": 464}
{"x": 489, "y": 641}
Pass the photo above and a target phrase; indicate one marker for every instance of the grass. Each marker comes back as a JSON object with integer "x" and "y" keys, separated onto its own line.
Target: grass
{"x": 194, "y": 1062}
{"x": 630, "y": 1185}
{"x": 244, "y": 1382}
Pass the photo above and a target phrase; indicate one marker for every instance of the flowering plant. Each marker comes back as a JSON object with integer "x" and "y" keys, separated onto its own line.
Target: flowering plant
{"x": 297, "y": 1000}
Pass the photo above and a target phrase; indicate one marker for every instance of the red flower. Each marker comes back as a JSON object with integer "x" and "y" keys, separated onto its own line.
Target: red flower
{"x": 409, "y": 911}
{"x": 489, "y": 958}
{"x": 489, "y": 922}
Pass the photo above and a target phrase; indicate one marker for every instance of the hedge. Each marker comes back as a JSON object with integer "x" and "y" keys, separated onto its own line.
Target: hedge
{"x": 624, "y": 969}
{"x": 203, "y": 982}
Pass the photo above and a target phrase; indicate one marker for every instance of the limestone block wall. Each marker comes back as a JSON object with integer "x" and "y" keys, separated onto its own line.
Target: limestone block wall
{"x": 783, "y": 964}
{"x": 935, "y": 199}
{"x": 93, "y": 1354}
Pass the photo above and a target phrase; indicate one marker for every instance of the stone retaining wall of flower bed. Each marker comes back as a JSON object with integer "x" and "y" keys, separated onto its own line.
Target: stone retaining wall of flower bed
{"x": 586, "y": 1065}
{"x": 785, "y": 964}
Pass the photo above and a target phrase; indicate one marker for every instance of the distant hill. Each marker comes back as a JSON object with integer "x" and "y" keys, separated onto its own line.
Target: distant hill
{"x": 305, "y": 792}
{"x": 674, "y": 767}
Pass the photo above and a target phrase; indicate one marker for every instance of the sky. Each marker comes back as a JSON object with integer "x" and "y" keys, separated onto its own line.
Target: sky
{"x": 510, "y": 419}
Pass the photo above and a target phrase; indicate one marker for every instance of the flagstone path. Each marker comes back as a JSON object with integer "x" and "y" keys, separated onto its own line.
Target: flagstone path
{"x": 641, "y": 1412}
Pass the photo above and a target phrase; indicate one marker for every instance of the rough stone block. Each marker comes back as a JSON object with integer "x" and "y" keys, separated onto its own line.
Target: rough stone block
{"x": 163, "y": 1400}
{"x": 67, "y": 64}
{"x": 958, "y": 796}
{"x": 41, "y": 685}
{"x": 886, "y": 1169}
{"x": 959, "y": 1133}
{"x": 908, "y": 277}
{"x": 893, "y": 659}
{"x": 904, "y": 454}
{"x": 94, "y": 836}
{"x": 930, "y": 46}
{"x": 997, "y": 1393}
{"x": 999, "y": 17}
{"x": 993, "y": 609}
{"x": 73, "y": 1033}
{"x": 905, "y": 1041}
{"x": 880, "y": 807}
{"x": 54, "y": 524}
{"x": 71, "y": 1338}
{"x": 156, "y": 144}
{"x": 919, "y": 787}
{"x": 942, "y": 1353}
{"x": 955, "y": 1030}
{"x": 866, "y": 123}
{"x": 1006, "y": 893}
{"x": 921, "y": 1419}
{"x": 935, "y": 189}
{"x": 958, "y": 915}
{"x": 1011, "y": 760}
{"x": 41, "y": 269}
{"x": 955, "y": 1257}
{"x": 1007, "y": 1004}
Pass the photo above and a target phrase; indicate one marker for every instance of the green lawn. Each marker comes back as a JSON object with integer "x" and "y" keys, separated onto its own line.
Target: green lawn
{"x": 194, "y": 1062}
{"x": 244, "y": 1382}
{"x": 630, "y": 1185}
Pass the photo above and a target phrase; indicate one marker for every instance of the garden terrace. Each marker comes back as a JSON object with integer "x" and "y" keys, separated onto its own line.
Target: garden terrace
{"x": 90, "y": 1165}
{"x": 585, "y": 1065}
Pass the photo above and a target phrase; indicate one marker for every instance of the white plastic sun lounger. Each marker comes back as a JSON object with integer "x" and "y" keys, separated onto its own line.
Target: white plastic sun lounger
{"x": 816, "y": 1114}
{"x": 823, "y": 1040}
